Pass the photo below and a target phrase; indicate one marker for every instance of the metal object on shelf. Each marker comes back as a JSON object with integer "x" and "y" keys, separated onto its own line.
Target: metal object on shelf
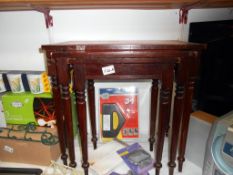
{"x": 219, "y": 150}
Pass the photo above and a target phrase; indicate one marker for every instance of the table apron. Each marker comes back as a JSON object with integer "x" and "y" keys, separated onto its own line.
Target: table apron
{"x": 126, "y": 71}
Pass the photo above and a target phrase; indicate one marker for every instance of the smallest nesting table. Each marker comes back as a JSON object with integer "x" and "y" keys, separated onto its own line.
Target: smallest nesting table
{"x": 162, "y": 61}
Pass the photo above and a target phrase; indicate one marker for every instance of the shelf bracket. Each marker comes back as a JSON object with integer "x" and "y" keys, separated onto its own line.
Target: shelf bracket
{"x": 48, "y": 18}
{"x": 183, "y": 15}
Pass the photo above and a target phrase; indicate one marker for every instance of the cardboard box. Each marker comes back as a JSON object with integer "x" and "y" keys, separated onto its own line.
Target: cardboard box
{"x": 25, "y": 107}
{"x": 199, "y": 128}
{"x": 15, "y": 148}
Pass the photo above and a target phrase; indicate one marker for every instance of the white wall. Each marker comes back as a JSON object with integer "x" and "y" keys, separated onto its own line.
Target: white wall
{"x": 115, "y": 25}
{"x": 22, "y": 33}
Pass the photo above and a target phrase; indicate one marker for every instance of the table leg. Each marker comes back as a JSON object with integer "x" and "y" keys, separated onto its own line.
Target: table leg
{"x": 178, "y": 108}
{"x": 192, "y": 64}
{"x": 91, "y": 98}
{"x": 185, "y": 123}
{"x": 153, "y": 113}
{"x": 177, "y": 114}
{"x": 164, "y": 114}
{"x": 68, "y": 119}
{"x": 59, "y": 119}
{"x": 64, "y": 80}
{"x": 79, "y": 87}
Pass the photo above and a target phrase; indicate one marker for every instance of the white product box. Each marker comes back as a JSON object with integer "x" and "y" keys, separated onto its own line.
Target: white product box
{"x": 144, "y": 98}
{"x": 199, "y": 128}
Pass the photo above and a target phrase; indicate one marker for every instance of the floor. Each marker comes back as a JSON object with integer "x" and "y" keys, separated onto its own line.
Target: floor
{"x": 188, "y": 169}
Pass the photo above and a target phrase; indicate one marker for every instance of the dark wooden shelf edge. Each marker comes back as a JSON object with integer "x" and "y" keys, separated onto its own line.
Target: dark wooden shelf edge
{"x": 111, "y": 4}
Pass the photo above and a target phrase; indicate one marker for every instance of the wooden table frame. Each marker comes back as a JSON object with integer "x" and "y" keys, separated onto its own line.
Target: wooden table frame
{"x": 140, "y": 60}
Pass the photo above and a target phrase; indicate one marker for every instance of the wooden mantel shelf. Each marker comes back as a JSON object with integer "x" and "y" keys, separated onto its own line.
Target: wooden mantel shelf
{"x": 8, "y": 5}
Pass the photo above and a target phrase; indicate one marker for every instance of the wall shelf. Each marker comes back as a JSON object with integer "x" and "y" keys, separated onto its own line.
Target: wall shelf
{"x": 10, "y": 5}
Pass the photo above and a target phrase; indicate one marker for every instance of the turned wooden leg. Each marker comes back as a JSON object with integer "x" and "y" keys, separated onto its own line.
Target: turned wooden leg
{"x": 178, "y": 108}
{"x": 59, "y": 118}
{"x": 64, "y": 80}
{"x": 168, "y": 122}
{"x": 180, "y": 74}
{"x": 153, "y": 113}
{"x": 65, "y": 95}
{"x": 91, "y": 98}
{"x": 79, "y": 86}
{"x": 185, "y": 123}
{"x": 192, "y": 64}
{"x": 81, "y": 110}
{"x": 163, "y": 114}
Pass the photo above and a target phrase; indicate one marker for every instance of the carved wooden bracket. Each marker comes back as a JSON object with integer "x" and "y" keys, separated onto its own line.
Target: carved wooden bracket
{"x": 183, "y": 15}
{"x": 47, "y": 16}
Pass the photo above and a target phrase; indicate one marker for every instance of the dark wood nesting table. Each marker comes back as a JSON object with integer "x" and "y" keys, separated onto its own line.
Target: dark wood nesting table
{"x": 162, "y": 61}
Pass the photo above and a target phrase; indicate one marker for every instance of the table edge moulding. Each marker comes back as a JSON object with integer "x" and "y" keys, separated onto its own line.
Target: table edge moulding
{"x": 162, "y": 61}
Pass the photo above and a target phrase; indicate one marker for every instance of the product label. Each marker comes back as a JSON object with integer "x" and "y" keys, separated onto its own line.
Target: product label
{"x": 107, "y": 70}
{"x": 106, "y": 122}
{"x": 8, "y": 149}
{"x": 17, "y": 104}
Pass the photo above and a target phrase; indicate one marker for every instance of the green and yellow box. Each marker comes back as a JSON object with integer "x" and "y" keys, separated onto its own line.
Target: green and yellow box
{"x": 26, "y": 107}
